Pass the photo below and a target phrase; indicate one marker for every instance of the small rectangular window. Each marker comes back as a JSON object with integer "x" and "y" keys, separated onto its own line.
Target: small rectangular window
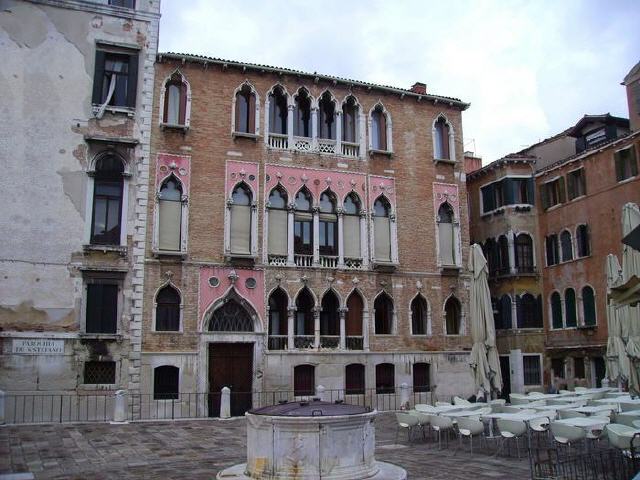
{"x": 557, "y": 365}
{"x": 553, "y": 192}
{"x": 102, "y": 308}
{"x": 488, "y": 200}
{"x": 626, "y": 163}
{"x": 99, "y": 373}
{"x": 576, "y": 184}
{"x": 123, "y": 3}
{"x": 578, "y": 367}
{"x": 421, "y": 377}
{"x": 532, "y": 369}
{"x": 115, "y": 79}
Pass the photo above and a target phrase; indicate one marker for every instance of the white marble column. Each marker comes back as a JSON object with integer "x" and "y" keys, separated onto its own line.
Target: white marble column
{"x": 316, "y": 236}
{"x": 343, "y": 330}
{"x": 290, "y": 221}
{"x": 338, "y": 131}
{"x": 291, "y": 111}
{"x": 316, "y": 328}
{"x": 291, "y": 318}
{"x": 340, "y": 238}
{"x": 512, "y": 252}
{"x": 364, "y": 239}
{"x": 365, "y": 330}
{"x": 314, "y": 129}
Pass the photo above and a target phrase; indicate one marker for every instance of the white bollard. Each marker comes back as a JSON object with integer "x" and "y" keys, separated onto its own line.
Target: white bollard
{"x": 225, "y": 403}
{"x": 120, "y": 407}
{"x": 2, "y": 400}
{"x": 320, "y": 393}
{"x": 404, "y": 396}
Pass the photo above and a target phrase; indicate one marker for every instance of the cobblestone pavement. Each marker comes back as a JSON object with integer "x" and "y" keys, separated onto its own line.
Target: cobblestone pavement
{"x": 198, "y": 449}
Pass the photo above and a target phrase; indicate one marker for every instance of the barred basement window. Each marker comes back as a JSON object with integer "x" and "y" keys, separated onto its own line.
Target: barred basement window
{"x": 421, "y": 381}
{"x": 354, "y": 379}
{"x": 532, "y": 369}
{"x": 304, "y": 380}
{"x": 99, "y": 373}
{"x": 385, "y": 378}
{"x": 166, "y": 381}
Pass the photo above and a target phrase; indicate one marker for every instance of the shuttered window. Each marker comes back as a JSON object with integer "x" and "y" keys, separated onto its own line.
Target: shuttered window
{"x": 446, "y": 245}
{"x": 102, "y": 308}
{"x": 304, "y": 380}
{"x": 553, "y": 193}
{"x": 421, "y": 382}
{"x": 170, "y": 215}
{"x": 241, "y": 220}
{"x": 576, "y": 184}
{"x": 354, "y": 379}
{"x": 382, "y": 230}
{"x": 385, "y": 378}
{"x": 626, "y": 163}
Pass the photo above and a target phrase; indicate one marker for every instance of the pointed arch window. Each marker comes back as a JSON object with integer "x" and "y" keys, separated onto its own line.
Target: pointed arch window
{"x": 589, "y": 306}
{"x": 566, "y": 246}
{"x": 556, "y": 310}
{"x": 351, "y": 226}
{"x": 441, "y": 140}
{"x": 327, "y": 110}
{"x": 170, "y": 215}
{"x": 278, "y": 222}
{"x": 453, "y": 312}
{"x": 328, "y": 225}
{"x": 168, "y": 310}
{"x": 278, "y": 320}
{"x": 570, "y": 308}
{"x": 382, "y": 229}
{"x": 350, "y": 113}
{"x": 278, "y": 111}
{"x": 383, "y": 314}
{"x": 107, "y": 201}
{"x": 304, "y": 325}
{"x": 231, "y": 317}
{"x": 446, "y": 241}
{"x": 303, "y": 224}
{"x": 241, "y": 204}
{"x": 354, "y": 321}
{"x": 330, "y": 317}
{"x": 524, "y": 253}
{"x": 419, "y": 315}
{"x": 245, "y": 110}
{"x": 302, "y": 114}
{"x": 175, "y": 101}
{"x": 582, "y": 238}
{"x": 379, "y": 129}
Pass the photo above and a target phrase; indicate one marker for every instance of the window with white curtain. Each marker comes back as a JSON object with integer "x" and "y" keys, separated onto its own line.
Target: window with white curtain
{"x": 278, "y": 222}
{"x": 351, "y": 226}
{"x": 170, "y": 215}
{"x": 241, "y": 219}
{"x": 441, "y": 140}
{"x": 382, "y": 229}
{"x": 445, "y": 235}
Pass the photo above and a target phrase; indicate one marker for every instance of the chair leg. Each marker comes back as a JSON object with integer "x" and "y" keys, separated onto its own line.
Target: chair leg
{"x": 397, "y": 433}
{"x": 518, "y": 447}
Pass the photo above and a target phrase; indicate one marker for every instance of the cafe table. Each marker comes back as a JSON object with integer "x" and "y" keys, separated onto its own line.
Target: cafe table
{"x": 595, "y": 410}
{"x": 587, "y": 423}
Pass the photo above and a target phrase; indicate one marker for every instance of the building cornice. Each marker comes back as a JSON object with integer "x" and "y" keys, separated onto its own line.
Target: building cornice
{"x": 95, "y": 7}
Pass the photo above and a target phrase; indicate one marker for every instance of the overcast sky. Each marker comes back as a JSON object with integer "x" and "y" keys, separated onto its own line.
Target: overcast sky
{"x": 529, "y": 69}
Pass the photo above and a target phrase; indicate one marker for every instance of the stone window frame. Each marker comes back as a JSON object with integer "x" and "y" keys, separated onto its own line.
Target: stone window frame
{"x": 428, "y": 328}
{"x": 105, "y": 277}
{"x": 184, "y": 219}
{"x": 256, "y": 134}
{"x": 461, "y": 326}
{"x": 168, "y": 283}
{"x": 388, "y": 129}
{"x": 580, "y": 306}
{"x": 253, "y": 228}
{"x": 541, "y": 367}
{"x": 175, "y": 77}
{"x": 394, "y": 316}
{"x": 452, "y": 139}
{"x": 457, "y": 236}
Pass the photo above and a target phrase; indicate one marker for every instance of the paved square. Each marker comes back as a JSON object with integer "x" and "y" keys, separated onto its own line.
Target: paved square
{"x": 198, "y": 449}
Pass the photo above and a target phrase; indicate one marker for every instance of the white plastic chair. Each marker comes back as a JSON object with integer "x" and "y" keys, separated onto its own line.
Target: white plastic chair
{"x": 498, "y": 401}
{"x": 441, "y": 424}
{"x": 424, "y": 420}
{"x": 580, "y": 389}
{"x": 567, "y": 434}
{"x": 470, "y": 427}
{"x": 442, "y": 404}
{"x": 406, "y": 421}
{"x": 519, "y": 401}
{"x": 627, "y": 420}
{"x": 570, "y": 414}
{"x": 511, "y": 429}
{"x": 423, "y": 407}
{"x": 460, "y": 401}
{"x": 622, "y": 436}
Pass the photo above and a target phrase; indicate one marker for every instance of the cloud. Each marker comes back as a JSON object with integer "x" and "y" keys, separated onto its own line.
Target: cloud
{"x": 529, "y": 69}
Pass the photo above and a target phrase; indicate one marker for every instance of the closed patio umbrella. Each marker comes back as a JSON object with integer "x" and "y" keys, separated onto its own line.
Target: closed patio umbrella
{"x": 617, "y": 360}
{"x": 631, "y": 267}
{"x": 484, "y": 361}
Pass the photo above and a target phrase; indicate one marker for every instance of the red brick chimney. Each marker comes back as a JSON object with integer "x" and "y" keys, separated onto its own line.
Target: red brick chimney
{"x": 420, "y": 88}
{"x": 471, "y": 162}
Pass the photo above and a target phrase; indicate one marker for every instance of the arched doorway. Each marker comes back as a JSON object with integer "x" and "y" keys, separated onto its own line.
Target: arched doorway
{"x": 231, "y": 358}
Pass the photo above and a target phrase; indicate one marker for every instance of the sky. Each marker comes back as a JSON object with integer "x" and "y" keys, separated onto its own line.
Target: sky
{"x": 530, "y": 69}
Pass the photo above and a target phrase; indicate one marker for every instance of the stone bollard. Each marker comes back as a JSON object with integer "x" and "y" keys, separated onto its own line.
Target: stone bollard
{"x": 320, "y": 393}
{"x": 225, "y": 403}
{"x": 404, "y": 396}
{"x": 2, "y": 400}
{"x": 120, "y": 407}
{"x": 605, "y": 383}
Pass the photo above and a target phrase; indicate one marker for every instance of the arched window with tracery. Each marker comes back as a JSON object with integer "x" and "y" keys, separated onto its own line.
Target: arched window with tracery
{"x": 328, "y": 224}
{"x": 441, "y": 140}
{"x": 108, "y": 184}
{"x": 278, "y": 111}
{"x": 383, "y": 314}
{"x": 176, "y": 98}
{"x": 231, "y": 316}
{"x": 378, "y": 131}
{"x": 382, "y": 229}
{"x": 453, "y": 313}
{"x": 278, "y": 222}
{"x": 303, "y": 223}
{"x": 241, "y": 204}
{"x": 170, "y": 215}
{"x": 446, "y": 240}
{"x": 245, "y": 110}
{"x": 327, "y": 113}
{"x": 278, "y": 320}
{"x": 350, "y": 113}
{"x": 168, "y": 310}
{"x": 302, "y": 114}
{"x": 419, "y": 315}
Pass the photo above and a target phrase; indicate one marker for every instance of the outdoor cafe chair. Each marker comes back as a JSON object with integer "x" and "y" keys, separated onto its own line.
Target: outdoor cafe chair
{"x": 570, "y": 414}
{"x": 627, "y": 420}
{"x": 423, "y": 407}
{"x": 519, "y": 401}
{"x": 540, "y": 426}
{"x": 408, "y": 422}
{"x": 441, "y": 424}
{"x": 626, "y": 407}
{"x": 564, "y": 391}
{"x": 511, "y": 429}
{"x": 443, "y": 404}
{"x": 498, "y": 401}
{"x": 424, "y": 420}
{"x": 508, "y": 409}
{"x": 580, "y": 389}
{"x": 460, "y": 401}
{"x": 567, "y": 435}
{"x": 470, "y": 427}
{"x": 622, "y": 436}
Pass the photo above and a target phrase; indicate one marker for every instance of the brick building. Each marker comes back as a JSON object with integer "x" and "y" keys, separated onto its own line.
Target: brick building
{"x": 303, "y": 229}
{"x": 77, "y": 86}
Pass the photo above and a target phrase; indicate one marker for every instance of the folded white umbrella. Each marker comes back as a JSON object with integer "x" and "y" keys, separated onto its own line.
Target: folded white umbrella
{"x": 631, "y": 267}
{"x": 617, "y": 360}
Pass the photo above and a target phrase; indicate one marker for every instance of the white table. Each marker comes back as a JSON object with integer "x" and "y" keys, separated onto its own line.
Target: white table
{"x": 574, "y": 398}
{"x": 593, "y": 410}
{"x": 461, "y": 413}
{"x": 555, "y": 408}
{"x": 620, "y": 399}
{"x": 633, "y": 413}
{"x": 588, "y": 423}
{"x": 443, "y": 408}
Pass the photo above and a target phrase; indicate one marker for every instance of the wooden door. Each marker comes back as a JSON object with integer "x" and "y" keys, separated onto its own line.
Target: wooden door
{"x": 230, "y": 365}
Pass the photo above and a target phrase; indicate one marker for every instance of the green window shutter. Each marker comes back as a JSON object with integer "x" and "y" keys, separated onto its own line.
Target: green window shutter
{"x": 570, "y": 186}
{"x": 508, "y": 187}
{"x": 98, "y": 78}
{"x": 633, "y": 160}
{"x": 544, "y": 196}
{"x": 531, "y": 191}
{"x": 619, "y": 163}
{"x": 562, "y": 197}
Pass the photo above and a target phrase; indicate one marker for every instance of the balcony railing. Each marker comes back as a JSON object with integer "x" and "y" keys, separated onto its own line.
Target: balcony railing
{"x": 354, "y": 343}
{"x": 279, "y": 141}
{"x": 326, "y": 146}
{"x": 278, "y": 260}
{"x": 329, "y": 341}
{"x": 303, "y": 260}
{"x": 304, "y": 341}
{"x": 353, "y": 263}
{"x": 328, "y": 262}
{"x": 277, "y": 342}
{"x": 350, "y": 149}
{"x": 302, "y": 144}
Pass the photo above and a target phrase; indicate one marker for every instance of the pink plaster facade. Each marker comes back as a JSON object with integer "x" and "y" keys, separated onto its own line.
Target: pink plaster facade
{"x": 178, "y": 165}
{"x": 238, "y": 172}
{"x": 446, "y": 192}
{"x": 379, "y": 185}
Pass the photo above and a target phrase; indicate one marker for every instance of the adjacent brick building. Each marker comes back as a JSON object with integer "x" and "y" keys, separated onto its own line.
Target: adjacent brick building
{"x": 303, "y": 229}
